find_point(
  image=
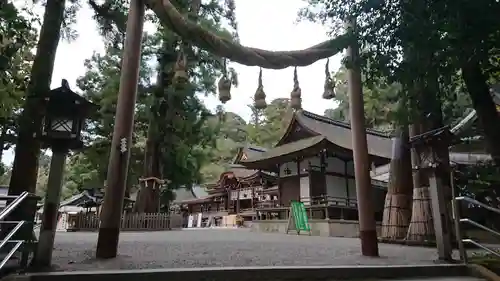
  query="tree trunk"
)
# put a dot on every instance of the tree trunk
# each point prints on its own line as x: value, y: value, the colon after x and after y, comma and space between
x: 421, y: 227
x: 147, y: 197
x: 430, y: 117
x: 478, y: 89
x: 3, y: 134
x: 147, y: 200
x: 25, y: 166
x: 397, y: 209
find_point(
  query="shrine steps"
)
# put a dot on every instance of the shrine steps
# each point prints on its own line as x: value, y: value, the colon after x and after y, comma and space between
x: 437, y: 272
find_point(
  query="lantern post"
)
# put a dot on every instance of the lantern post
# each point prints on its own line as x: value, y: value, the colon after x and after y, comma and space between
x: 63, y: 122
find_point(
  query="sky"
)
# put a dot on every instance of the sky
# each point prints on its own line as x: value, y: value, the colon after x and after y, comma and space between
x: 263, y: 24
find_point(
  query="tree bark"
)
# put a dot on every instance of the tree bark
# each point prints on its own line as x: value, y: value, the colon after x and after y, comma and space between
x: 147, y: 200
x: 421, y: 227
x: 147, y: 197
x: 397, y: 209
x: 476, y: 83
x: 25, y: 166
x: 3, y: 134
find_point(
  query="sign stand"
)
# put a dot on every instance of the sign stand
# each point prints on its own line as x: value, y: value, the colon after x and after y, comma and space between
x: 297, y: 219
x: 291, y: 223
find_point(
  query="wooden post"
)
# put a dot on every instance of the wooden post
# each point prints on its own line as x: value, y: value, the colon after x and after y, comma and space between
x: 439, y: 212
x: 367, y: 226
x: 109, y: 230
x: 279, y: 185
x: 347, y: 195
x: 43, y: 255
x: 456, y: 218
x: 238, y: 199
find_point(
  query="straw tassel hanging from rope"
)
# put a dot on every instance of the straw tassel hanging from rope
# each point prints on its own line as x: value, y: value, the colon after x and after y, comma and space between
x: 180, y: 69
x: 260, y: 95
x: 224, y: 86
x: 295, y: 95
x: 329, y: 88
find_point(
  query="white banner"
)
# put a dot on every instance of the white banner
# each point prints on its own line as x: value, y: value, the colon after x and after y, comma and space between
x: 396, y: 148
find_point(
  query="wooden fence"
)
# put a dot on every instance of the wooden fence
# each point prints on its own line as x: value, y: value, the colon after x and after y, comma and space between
x: 130, y: 222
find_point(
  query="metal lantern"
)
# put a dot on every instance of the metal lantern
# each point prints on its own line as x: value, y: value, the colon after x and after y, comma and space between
x: 224, y: 89
x: 295, y: 95
x: 260, y: 95
x: 329, y: 88
x: 64, y: 119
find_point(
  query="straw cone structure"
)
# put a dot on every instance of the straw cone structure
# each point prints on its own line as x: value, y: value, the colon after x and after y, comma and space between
x: 397, y: 215
x: 397, y: 207
x: 421, y: 226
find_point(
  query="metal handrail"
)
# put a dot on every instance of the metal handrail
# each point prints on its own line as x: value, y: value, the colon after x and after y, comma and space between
x: 476, y: 224
x: 11, y: 253
x: 19, y: 224
x: 12, y: 206
x: 470, y: 241
x: 463, y: 252
x: 480, y: 204
x: 11, y: 233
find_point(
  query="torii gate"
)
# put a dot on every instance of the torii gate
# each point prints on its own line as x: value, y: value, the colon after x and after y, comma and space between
x: 107, y: 244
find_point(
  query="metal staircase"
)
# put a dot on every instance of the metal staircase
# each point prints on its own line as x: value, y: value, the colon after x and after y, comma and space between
x: 459, y: 220
x: 18, y: 240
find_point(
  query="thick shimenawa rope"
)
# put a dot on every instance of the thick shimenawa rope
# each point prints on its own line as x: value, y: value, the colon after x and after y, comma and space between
x: 199, y: 36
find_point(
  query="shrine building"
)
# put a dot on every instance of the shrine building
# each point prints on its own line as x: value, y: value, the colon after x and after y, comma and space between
x: 314, y: 164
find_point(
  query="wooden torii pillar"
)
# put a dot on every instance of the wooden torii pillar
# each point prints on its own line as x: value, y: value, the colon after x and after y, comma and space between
x: 364, y: 191
x: 109, y: 229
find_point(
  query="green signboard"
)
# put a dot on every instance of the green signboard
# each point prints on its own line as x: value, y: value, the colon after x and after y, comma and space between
x: 298, y: 218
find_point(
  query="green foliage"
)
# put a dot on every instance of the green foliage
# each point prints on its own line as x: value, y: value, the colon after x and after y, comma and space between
x: 481, y: 182
x: 381, y: 110
x: 17, y: 39
x: 382, y: 100
x: 277, y: 116
x: 100, y: 84
x: 4, y: 174
x: 418, y: 43
x: 267, y: 126
x: 178, y: 118
x: 184, y: 136
x: 264, y: 129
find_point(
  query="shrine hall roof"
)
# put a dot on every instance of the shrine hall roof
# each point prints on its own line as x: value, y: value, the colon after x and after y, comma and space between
x: 339, y: 133
x: 240, y: 171
x: 248, y: 151
x: 323, y: 130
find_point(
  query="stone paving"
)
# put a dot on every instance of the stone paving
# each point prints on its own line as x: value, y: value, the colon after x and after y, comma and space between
x: 226, y: 247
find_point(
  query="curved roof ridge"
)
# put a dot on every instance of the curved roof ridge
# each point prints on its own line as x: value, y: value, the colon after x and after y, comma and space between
x: 255, y: 147
x: 464, y: 122
x: 340, y: 123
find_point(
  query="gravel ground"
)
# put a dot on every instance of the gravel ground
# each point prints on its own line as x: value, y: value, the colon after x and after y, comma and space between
x: 226, y: 247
